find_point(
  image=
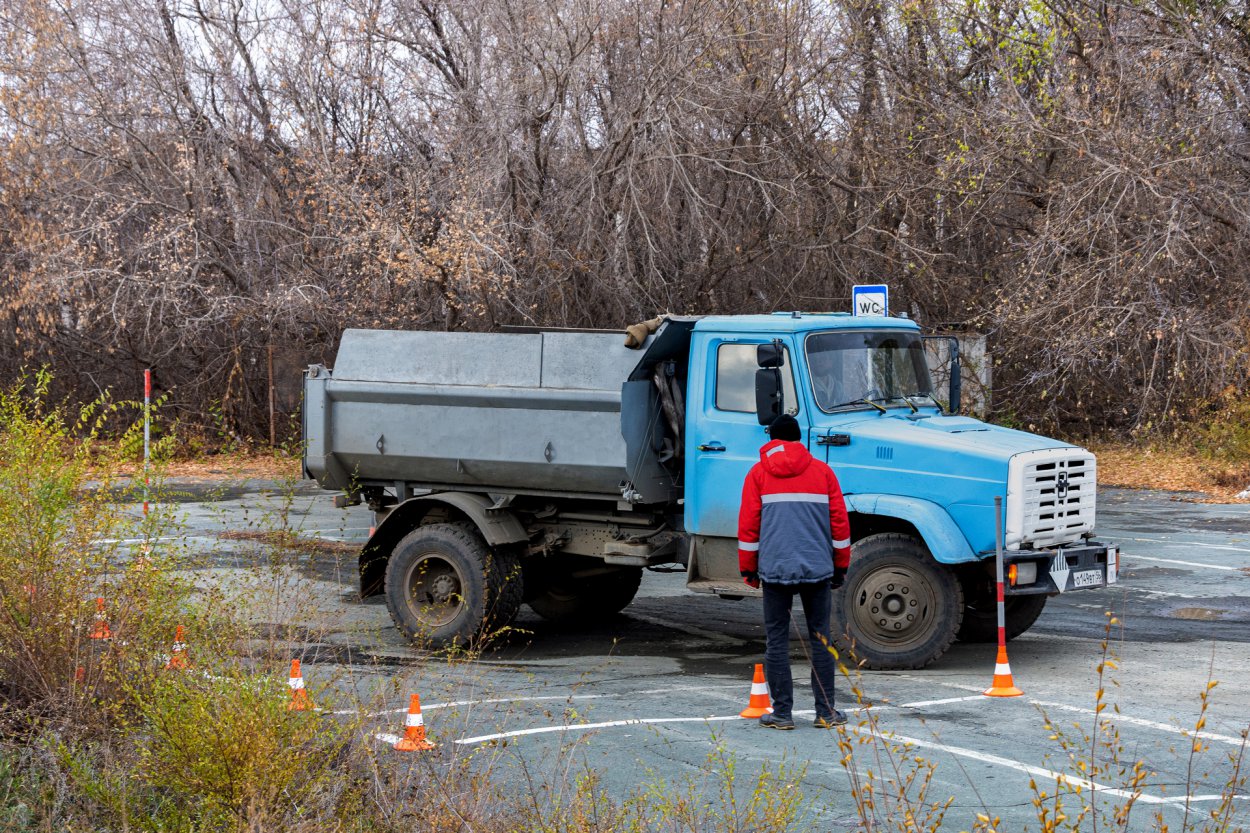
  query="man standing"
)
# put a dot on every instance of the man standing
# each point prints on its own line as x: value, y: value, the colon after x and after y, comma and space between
x: 795, y: 538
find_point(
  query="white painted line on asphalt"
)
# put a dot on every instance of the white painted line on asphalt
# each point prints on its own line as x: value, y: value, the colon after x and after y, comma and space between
x: 528, y: 698
x: 1138, y: 721
x: 575, y: 727
x: 157, y: 540
x: 1192, y: 544
x: 920, y: 704
x: 388, y: 739
x: 973, y: 754
x: 539, y: 730
x: 1107, y: 714
x: 1032, y: 770
x: 1027, y: 769
x: 1135, y: 557
x: 711, y: 636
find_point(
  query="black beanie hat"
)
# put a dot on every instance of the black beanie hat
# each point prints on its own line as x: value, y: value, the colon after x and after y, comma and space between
x: 785, y: 427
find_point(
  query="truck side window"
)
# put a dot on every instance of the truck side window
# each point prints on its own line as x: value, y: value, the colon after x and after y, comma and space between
x: 735, y: 379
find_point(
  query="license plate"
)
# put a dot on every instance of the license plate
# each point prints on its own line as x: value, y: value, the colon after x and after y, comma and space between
x: 1087, y: 578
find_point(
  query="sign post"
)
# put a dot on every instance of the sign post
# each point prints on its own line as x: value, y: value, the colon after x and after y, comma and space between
x: 870, y: 299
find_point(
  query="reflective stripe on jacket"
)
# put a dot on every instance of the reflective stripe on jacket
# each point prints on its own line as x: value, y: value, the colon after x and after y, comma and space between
x: 792, y: 526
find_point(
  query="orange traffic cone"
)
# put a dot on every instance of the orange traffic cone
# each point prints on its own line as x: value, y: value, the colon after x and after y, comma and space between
x: 178, y: 658
x: 414, y: 729
x: 299, y: 697
x: 1003, y: 685
x: 760, y: 704
x: 101, y: 629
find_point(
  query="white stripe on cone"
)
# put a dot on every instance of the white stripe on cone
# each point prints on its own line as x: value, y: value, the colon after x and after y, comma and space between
x: 1001, y: 670
x: 759, y: 688
x: 414, y: 720
x: 297, y: 682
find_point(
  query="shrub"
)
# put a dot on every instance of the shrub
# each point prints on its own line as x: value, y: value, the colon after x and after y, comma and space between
x: 63, y: 534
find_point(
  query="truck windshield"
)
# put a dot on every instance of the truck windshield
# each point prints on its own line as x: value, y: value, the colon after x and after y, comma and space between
x: 861, y: 368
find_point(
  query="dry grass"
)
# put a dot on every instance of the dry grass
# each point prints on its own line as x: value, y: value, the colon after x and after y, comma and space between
x: 1175, y: 469
x: 290, y: 540
x: 236, y: 466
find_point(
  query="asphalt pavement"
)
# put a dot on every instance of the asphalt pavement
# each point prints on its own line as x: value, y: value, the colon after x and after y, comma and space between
x: 652, y: 696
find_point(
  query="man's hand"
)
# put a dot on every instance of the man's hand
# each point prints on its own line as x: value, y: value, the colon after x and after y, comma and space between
x: 751, y: 579
x: 839, y: 577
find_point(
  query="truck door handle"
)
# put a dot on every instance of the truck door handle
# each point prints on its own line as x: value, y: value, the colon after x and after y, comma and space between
x: 712, y: 446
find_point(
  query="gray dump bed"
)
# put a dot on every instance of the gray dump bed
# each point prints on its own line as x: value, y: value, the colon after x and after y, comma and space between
x: 524, y: 413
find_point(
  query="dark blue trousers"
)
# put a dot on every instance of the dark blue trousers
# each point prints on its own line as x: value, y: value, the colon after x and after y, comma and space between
x: 778, y: 600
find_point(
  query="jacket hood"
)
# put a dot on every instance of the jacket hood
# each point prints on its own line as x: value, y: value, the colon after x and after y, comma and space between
x: 785, y: 459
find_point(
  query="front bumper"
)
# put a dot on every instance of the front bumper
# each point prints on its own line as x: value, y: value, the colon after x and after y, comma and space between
x: 1088, y: 566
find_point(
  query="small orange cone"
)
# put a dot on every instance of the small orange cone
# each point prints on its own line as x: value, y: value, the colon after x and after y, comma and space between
x: 760, y: 704
x: 414, y: 729
x: 101, y: 629
x: 1003, y: 685
x: 299, y: 697
x: 178, y: 658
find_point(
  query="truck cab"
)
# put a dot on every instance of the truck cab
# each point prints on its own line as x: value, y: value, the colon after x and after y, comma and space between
x: 919, y: 482
x: 551, y: 467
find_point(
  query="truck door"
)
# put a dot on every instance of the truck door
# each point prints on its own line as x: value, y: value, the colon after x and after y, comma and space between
x: 724, y: 437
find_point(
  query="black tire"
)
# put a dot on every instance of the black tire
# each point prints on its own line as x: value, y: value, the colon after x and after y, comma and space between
x: 980, y: 622
x: 567, y: 599
x: 446, y: 586
x: 898, y: 608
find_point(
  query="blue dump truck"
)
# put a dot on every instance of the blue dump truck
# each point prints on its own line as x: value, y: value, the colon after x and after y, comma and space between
x: 551, y: 467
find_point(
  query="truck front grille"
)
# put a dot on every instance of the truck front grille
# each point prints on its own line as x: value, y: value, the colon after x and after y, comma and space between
x: 1051, y: 497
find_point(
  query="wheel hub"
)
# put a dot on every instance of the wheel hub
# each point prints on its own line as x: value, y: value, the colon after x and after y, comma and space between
x: 442, y: 588
x: 435, y: 590
x: 893, y: 605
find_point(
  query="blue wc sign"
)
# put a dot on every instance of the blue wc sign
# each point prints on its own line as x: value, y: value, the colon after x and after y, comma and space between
x: 870, y: 299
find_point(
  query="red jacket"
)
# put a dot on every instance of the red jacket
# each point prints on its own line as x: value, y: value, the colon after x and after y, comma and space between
x: 793, y: 526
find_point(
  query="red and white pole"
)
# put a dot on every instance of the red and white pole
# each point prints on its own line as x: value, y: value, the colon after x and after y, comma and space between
x: 1003, y: 685
x: 998, y: 572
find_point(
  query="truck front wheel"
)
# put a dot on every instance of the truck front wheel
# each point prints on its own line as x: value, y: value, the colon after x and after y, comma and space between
x: 445, y: 585
x: 898, y: 608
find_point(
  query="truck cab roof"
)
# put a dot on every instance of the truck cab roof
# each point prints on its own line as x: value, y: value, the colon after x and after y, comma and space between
x: 800, y: 322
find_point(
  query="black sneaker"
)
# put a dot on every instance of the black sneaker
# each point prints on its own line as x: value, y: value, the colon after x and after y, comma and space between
x: 772, y: 721
x: 837, y: 719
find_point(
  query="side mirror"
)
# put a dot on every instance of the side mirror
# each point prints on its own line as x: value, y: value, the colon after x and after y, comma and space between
x: 769, y: 355
x: 768, y: 395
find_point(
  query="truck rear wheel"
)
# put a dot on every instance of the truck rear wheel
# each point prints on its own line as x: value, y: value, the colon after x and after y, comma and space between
x: 898, y: 608
x: 445, y: 585
x: 981, y: 615
x: 570, y: 599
